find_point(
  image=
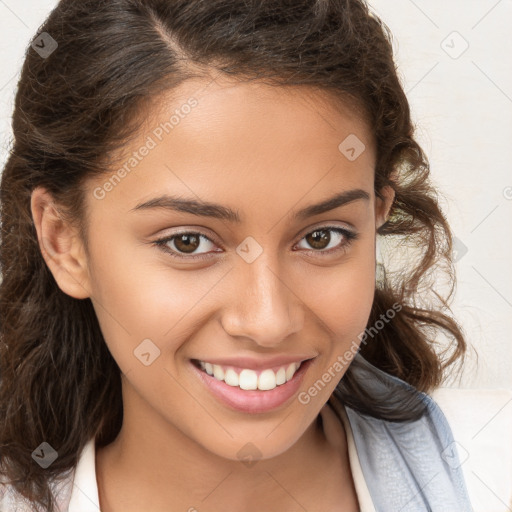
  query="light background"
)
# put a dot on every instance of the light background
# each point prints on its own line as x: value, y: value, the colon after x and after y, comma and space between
x: 461, y: 101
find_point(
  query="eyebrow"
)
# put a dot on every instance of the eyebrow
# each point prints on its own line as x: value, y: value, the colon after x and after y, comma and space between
x: 218, y: 211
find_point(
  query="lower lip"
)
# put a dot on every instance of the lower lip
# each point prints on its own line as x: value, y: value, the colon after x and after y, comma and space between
x: 253, y: 401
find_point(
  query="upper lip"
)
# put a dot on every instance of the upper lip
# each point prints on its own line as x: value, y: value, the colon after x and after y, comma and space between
x: 256, y: 364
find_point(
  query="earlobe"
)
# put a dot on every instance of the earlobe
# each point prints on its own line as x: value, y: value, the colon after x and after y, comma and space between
x: 60, y: 246
x: 383, y: 205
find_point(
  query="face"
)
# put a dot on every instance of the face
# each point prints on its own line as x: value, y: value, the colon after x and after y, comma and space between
x: 243, y: 271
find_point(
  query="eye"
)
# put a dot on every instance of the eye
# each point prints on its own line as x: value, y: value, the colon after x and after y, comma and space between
x: 323, y: 242
x: 185, y: 244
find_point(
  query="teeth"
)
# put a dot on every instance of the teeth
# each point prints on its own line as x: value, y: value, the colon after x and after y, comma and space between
x: 281, y: 376
x: 218, y: 372
x: 267, y: 380
x: 249, y: 379
x: 231, y: 377
x: 290, y: 371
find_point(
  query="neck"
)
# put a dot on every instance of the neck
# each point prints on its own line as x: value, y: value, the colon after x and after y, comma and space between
x: 153, y: 465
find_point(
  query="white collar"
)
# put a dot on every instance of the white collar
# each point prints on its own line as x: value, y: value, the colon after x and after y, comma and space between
x: 363, y: 494
x: 84, y: 494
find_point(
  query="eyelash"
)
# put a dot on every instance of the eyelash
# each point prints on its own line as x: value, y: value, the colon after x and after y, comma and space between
x: 349, y: 238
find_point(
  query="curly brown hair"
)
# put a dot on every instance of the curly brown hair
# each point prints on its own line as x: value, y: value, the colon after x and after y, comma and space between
x: 77, y: 106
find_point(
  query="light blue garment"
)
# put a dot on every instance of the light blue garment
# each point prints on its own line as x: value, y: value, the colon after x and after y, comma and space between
x: 408, y: 466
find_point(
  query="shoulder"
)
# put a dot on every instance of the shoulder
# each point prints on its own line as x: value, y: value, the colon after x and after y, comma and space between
x: 9, y: 499
x: 481, y: 422
x: 12, y: 501
x: 408, y: 464
x: 409, y: 460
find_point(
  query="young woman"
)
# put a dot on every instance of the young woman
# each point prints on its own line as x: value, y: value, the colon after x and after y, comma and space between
x: 191, y: 317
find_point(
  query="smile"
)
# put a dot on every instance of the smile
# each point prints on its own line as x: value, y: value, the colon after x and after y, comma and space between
x: 248, y: 379
x: 240, y: 388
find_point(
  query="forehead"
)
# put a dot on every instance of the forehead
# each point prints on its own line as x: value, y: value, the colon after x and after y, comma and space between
x: 228, y: 138
x: 290, y: 111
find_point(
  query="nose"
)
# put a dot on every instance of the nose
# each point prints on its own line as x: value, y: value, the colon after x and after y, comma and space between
x: 263, y: 306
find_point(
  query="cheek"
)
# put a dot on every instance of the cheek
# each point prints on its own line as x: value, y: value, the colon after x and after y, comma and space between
x: 341, y: 300
x: 342, y: 296
x: 138, y: 297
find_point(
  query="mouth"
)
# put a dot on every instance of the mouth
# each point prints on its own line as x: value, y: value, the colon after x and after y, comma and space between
x: 252, y: 391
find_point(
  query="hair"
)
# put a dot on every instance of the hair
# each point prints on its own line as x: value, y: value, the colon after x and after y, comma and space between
x: 76, y: 107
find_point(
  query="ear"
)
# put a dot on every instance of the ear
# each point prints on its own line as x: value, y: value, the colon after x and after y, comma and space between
x: 383, y: 205
x: 60, y: 245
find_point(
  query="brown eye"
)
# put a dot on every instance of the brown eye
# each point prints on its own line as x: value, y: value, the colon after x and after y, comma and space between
x: 187, y: 242
x: 186, y: 245
x: 318, y: 239
x: 329, y: 239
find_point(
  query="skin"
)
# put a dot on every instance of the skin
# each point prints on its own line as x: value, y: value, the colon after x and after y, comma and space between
x: 265, y: 152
